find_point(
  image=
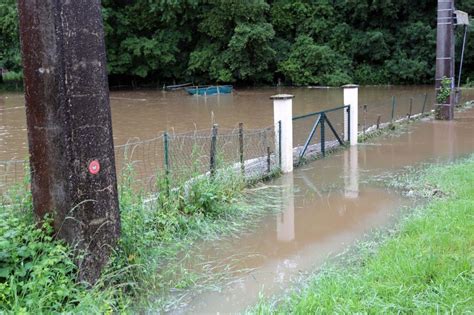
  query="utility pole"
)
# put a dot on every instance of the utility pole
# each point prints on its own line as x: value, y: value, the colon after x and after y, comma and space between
x: 445, y: 56
x: 73, y: 177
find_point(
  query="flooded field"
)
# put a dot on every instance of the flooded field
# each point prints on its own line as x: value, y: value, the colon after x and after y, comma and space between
x: 146, y: 114
x: 326, y: 206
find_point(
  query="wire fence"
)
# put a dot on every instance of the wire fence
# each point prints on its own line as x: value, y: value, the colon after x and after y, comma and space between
x: 177, y: 157
x: 180, y: 156
x: 394, y: 108
x: 12, y: 173
x: 315, y: 133
x: 251, y: 151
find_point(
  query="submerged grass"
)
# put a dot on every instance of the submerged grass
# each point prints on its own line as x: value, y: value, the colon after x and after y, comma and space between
x: 425, y: 266
x: 157, y: 238
x: 152, y: 265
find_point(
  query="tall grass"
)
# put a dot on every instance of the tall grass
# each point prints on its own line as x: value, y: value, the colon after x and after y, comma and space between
x: 37, y: 272
x: 426, y: 267
x: 152, y: 260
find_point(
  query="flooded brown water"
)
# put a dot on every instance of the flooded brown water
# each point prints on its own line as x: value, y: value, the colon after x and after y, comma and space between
x: 145, y: 114
x: 326, y: 206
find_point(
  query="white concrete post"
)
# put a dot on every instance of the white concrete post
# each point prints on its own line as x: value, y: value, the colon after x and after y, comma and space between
x: 283, y: 111
x: 351, y: 97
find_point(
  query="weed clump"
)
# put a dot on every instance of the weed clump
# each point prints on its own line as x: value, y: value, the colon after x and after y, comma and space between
x: 37, y: 271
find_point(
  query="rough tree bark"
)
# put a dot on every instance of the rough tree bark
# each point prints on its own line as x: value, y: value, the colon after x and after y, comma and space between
x: 69, y: 123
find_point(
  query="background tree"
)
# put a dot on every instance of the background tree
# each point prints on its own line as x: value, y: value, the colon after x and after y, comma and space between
x: 324, y: 42
x: 10, y: 57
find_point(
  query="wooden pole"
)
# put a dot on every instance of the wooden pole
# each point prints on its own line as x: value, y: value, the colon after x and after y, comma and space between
x: 73, y: 177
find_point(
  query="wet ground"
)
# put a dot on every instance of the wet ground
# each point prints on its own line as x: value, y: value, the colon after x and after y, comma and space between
x: 326, y: 206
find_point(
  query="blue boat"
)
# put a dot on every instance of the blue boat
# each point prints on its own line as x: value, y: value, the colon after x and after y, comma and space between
x: 210, y: 90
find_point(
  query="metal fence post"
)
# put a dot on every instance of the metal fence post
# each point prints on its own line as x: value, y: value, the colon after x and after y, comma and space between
x: 411, y: 108
x: 424, y: 104
x: 167, y: 161
x: 393, y: 107
x: 241, y: 147
x: 213, y: 150
x: 279, y: 144
x: 323, y: 135
x: 268, y: 160
x: 348, y: 124
x: 365, y: 118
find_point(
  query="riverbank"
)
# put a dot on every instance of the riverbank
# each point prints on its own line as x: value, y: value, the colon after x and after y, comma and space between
x: 424, y: 265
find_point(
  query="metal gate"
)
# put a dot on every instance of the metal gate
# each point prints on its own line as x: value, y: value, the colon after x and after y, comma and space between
x: 322, y: 119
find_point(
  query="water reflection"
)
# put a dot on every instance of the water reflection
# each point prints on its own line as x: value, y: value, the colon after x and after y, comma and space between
x: 330, y: 206
x: 444, y: 139
x: 286, y: 219
x: 351, y: 172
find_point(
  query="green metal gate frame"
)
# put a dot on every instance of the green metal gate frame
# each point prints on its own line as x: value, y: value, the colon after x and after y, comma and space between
x: 320, y: 121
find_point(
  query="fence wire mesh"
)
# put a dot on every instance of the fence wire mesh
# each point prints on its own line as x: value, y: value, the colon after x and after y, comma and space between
x: 181, y: 156
x: 12, y: 173
x: 394, y: 108
x: 140, y: 161
x: 189, y: 154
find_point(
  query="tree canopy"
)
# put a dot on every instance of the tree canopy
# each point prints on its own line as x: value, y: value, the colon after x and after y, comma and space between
x: 299, y: 42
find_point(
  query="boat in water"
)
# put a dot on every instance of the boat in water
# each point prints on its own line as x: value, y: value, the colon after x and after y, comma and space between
x: 176, y: 87
x: 210, y: 90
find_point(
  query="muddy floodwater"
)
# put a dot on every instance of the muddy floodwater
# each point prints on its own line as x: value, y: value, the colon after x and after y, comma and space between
x: 326, y: 205
x: 146, y: 114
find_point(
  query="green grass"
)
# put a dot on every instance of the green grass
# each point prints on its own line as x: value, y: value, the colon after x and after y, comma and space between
x: 425, y: 267
x: 153, y: 262
x: 156, y: 241
x: 37, y: 272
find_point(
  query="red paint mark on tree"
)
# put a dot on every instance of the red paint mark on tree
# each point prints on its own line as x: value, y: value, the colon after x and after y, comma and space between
x: 94, y: 167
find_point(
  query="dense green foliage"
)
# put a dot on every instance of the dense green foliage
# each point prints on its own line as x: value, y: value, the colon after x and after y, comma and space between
x: 263, y: 41
x: 37, y: 271
x: 425, y: 267
x: 10, y: 57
